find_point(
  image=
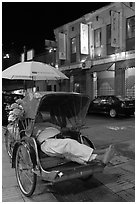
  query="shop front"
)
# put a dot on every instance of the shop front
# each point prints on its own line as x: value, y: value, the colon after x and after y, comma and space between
x: 125, y: 77
x: 114, y: 78
x: 77, y: 80
x: 103, y: 79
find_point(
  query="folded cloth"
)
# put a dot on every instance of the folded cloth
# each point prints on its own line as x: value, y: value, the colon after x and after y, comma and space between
x: 14, y: 105
x: 20, y: 101
x: 17, y: 111
x: 11, y: 117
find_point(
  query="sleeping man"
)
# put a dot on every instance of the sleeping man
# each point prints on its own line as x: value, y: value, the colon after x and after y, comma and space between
x: 71, y: 149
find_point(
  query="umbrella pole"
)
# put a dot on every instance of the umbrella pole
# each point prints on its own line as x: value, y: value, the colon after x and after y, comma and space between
x: 34, y: 86
x: 25, y: 85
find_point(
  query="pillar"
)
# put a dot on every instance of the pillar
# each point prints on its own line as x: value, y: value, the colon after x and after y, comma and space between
x: 119, y: 81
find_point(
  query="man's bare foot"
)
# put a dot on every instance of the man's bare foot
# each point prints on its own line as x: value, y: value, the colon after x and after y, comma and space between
x: 109, y: 154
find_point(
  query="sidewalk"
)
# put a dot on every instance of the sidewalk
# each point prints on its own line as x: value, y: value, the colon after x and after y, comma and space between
x: 119, y: 177
x: 10, y: 189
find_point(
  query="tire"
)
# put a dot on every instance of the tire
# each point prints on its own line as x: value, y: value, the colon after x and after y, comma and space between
x: 23, y: 167
x: 112, y: 113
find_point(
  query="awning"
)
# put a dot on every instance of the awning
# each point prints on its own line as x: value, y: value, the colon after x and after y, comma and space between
x: 125, y: 64
x: 10, y: 85
x: 102, y: 67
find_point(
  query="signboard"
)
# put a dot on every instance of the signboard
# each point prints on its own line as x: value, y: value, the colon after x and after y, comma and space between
x: 84, y: 39
x: 30, y: 54
x: 22, y: 57
x: 115, y: 29
x: 98, y: 37
x: 87, y: 64
x: 62, y: 46
x: 50, y: 43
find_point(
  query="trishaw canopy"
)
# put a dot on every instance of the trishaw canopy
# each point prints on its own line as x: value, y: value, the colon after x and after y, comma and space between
x: 62, y: 104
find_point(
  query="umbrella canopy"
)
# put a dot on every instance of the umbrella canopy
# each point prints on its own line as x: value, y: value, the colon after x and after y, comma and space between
x: 32, y: 70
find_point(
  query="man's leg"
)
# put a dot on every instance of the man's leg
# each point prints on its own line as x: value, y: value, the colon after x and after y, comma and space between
x: 69, y: 148
x: 109, y: 154
x: 100, y: 151
x: 104, y: 155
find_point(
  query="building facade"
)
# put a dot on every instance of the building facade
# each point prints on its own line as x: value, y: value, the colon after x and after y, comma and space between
x: 97, y: 51
x: 48, y: 57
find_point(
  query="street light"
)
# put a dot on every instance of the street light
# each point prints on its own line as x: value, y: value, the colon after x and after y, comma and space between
x: 6, y: 56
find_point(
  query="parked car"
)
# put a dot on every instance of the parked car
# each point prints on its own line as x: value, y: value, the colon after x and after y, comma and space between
x: 112, y: 105
x: 7, y: 99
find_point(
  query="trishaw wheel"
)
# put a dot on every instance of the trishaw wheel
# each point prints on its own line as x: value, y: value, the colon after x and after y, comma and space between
x: 25, y: 177
x: 9, y: 143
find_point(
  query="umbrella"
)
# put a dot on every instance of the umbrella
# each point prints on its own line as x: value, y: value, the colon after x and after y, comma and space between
x: 33, y: 70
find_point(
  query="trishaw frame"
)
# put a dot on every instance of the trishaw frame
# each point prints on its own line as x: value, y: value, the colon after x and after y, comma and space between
x: 52, y: 174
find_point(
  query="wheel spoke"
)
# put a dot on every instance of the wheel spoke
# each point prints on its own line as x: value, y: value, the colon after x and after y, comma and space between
x: 25, y: 177
x: 26, y: 171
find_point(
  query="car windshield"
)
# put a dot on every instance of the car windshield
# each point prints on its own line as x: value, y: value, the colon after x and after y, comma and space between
x: 123, y: 98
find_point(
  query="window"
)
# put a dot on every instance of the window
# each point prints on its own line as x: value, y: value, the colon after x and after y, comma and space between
x: 130, y: 33
x: 49, y: 88
x: 131, y: 27
x: 73, y: 45
x: 73, y: 49
x: 55, y: 88
x: 62, y: 62
x: 72, y: 28
x: 97, y: 43
x: 97, y: 34
x: 110, y: 50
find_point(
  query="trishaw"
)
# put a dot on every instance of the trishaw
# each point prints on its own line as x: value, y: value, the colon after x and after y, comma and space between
x: 40, y: 109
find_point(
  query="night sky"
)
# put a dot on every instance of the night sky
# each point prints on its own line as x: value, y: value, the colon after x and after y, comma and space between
x: 30, y: 23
